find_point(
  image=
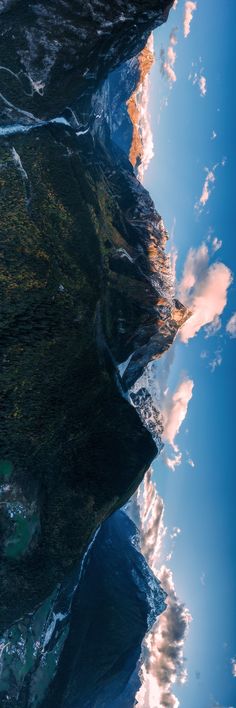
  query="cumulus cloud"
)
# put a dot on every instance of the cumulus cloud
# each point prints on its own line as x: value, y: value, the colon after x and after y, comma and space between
x: 189, y: 9
x: 168, y: 58
x: 174, y: 411
x: 163, y: 658
x: 152, y: 526
x: 165, y: 661
x: 231, y: 326
x: 203, y: 288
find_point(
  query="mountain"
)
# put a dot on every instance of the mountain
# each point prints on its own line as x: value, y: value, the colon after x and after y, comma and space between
x: 87, y: 300
x: 102, y: 631
x: 100, y: 661
x: 81, y: 42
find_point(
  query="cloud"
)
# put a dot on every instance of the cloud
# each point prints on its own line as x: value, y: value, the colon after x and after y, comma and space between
x: 203, y: 288
x: 216, y: 244
x: 197, y: 76
x: 213, y: 135
x: 174, y: 411
x: 173, y: 462
x: 206, y: 190
x: 189, y: 9
x: 176, y: 531
x: 190, y: 462
x: 210, y: 178
x: 152, y: 513
x: 164, y: 664
x: 168, y: 58
x: 163, y: 657
x: 207, y: 185
x: 231, y: 326
x: 213, y: 327
x: 233, y: 665
x: 175, y: 4
x: 202, y: 85
x: 217, y: 361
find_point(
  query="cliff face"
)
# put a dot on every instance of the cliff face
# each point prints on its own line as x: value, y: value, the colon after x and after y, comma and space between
x: 85, y: 286
x: 83, y: 42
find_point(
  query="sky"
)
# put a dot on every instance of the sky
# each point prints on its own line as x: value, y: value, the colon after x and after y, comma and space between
x: 192, y: 179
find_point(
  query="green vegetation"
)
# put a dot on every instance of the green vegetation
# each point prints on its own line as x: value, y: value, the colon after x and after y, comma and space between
x: 76, y: 447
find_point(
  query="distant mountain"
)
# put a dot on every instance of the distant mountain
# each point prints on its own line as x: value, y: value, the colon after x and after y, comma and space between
x: 91, y: 648
x: 122, y: 102
x: 100, y: 661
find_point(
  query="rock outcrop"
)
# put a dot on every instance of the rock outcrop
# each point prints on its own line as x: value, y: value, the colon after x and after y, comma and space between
x: 54, y: 53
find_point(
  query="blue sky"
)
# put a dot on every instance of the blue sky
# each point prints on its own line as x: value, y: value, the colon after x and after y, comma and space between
x: 201, y: 499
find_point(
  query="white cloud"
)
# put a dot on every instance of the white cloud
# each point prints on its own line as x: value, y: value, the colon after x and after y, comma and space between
x: 216, y: 244
x: 206, y: 189
x: 202, y: 85
x: 190, y: 462
x: 208, y: 185
x: 168, y: 59
x: 173, y: 462
x: 153, y: 530
x: 213, y: 135
x: 203, y: 288
x: 233, y: 665
x: 176, y: 531
x: 163, y: 657
x: 189, y: 9
x: 213, y: 327
x: 217, y: 361
x: 174, y: 411
x: 231, y: 326
x: 164, y: 664
x: 197, y: 77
